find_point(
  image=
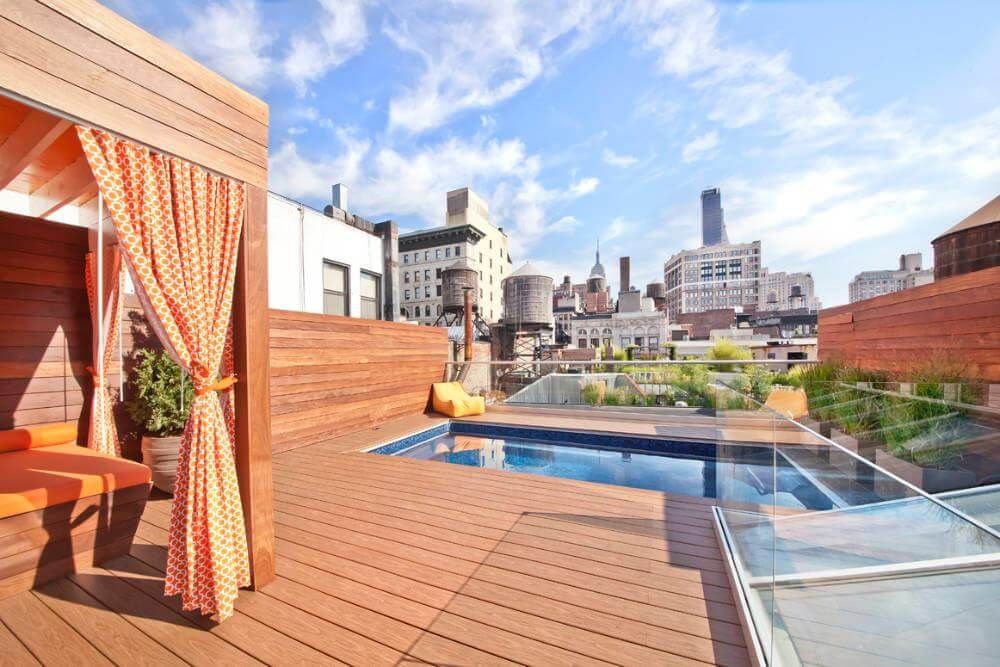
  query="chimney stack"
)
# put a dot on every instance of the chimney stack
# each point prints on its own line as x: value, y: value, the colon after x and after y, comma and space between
x: 624, y: 274
x: 340, y: 196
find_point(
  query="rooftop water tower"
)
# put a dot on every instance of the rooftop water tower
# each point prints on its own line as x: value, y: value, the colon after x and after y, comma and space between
x: 527, y: 298
x: 456, y: 280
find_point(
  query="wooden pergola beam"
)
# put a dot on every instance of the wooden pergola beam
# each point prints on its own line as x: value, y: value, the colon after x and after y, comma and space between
x: 36, y: 132
x: 62, y: 189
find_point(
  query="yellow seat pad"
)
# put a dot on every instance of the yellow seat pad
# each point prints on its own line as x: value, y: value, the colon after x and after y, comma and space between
x: 451, y: 399
x: 790, y: 402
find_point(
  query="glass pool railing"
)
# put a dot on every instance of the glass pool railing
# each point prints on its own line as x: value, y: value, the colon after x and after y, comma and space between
x: 866, y: 530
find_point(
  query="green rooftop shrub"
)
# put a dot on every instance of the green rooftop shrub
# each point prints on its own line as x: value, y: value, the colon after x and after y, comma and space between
x: 161, y: 396
x: 726, y: 349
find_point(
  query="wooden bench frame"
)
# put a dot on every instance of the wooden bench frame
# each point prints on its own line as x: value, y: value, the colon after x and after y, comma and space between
x: 42, y: 545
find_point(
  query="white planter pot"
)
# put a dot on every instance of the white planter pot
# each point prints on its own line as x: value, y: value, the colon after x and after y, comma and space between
x: 160, y: 456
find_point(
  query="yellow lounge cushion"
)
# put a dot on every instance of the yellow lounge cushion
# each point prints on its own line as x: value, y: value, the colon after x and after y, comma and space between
x: 451, y: 399
x: 40, y: 435
x: 33, y: 479
x: 790, y: 402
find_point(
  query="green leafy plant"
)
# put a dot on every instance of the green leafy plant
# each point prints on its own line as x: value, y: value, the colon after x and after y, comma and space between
x: 726, y: 349
x: 161, y: 394
x: 615, y: 397
x: 593, y: 393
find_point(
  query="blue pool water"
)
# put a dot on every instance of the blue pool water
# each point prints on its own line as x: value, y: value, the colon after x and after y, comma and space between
x: 735, y: 473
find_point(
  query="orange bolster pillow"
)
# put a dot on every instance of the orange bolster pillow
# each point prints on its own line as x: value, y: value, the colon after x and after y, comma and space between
x: 42, y: 435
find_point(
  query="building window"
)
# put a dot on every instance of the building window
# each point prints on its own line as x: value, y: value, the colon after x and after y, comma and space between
x: 406, y: 258
x: 335, y: 284
x: 406, y: 295
x: 439, y: 292
x: 626, y: 341
x: 437, y: 253
x: 438, y: 273
x: 458, y: 251
x: 427, y: 274
x: 427, y: 255
x: 447, y: 252
x: 582, y: 343
x: 371, y: 296
x: 427, y: 311
x: 427, y: 294
x: 406, y: 276
x: 439, y: 309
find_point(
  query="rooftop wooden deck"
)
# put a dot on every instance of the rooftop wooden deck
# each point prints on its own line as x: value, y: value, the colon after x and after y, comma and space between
x: 396, y: 561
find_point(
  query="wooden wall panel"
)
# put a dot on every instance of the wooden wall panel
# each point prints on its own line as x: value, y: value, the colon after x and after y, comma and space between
x: 953, y: 322
x: 44, y: 322
x: 83, y: 60
x: 334, y: 375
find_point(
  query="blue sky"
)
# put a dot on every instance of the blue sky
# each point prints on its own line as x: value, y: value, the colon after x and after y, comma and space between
x: 842, y: 133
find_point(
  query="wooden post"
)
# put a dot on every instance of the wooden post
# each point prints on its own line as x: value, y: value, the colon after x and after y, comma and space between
x: 251, y: 338
x: 468, y: 323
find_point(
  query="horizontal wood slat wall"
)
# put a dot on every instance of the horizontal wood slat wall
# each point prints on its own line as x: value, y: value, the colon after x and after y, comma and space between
x: 953, y: 322
x: 44, y: 322
x: 80, y: 56
x: 334, y: 375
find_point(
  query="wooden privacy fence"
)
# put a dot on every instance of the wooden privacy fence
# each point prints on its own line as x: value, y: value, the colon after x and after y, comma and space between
x: 333, y: 375
x: 954, y: 322
x: 44, y: 322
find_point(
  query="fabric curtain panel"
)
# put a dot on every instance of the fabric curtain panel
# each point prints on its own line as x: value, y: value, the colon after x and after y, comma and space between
x: 102, y: 435
x: 179, y: 229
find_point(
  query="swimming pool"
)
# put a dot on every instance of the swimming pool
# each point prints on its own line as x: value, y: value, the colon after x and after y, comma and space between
x: 729, y: 472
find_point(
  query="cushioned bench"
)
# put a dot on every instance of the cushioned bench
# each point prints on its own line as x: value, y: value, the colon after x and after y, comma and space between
x: 62, y: 506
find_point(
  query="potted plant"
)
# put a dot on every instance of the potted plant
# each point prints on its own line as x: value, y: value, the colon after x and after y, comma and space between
x: 159, y: 405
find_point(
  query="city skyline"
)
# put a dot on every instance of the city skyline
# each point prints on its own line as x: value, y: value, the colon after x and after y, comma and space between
x: 835, y: 148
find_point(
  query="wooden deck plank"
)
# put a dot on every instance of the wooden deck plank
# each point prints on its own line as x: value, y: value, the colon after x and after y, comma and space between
x: 50, y: 639
x: 12, y: 651
x: 111, y: 634
x: 384, y: 560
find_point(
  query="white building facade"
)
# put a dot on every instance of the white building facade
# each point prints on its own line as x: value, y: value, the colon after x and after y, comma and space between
x: 786, y: 291
x: 726, y: 275
x: 869, y: 284
x: 337, y: 264
x: 644, y: 327
x: 468, y: 233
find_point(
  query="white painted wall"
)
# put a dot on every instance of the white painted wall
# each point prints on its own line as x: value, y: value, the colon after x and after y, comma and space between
x: 297, y: 247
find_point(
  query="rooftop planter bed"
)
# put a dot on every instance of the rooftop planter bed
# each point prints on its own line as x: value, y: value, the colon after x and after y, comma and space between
x: 916, y: 431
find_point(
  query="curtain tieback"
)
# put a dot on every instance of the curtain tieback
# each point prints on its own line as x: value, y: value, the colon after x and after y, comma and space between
x: 218, y: 385
x: 94, y: 376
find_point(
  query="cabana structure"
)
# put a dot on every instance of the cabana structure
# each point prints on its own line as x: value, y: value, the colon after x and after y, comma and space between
x: 118, y: 153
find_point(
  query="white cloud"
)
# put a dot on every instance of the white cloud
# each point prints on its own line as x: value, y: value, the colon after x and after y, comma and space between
x: 392, y: 181
x: 296, y: 130
x: 617, y: 227
x: 230, y: 38
x: 616, y: 160
x: 741, y: 86
x: 339, y: 33
x: 564, y: 224
x: 475, y: 55
x: 584, y: 186
x: 701, y: 147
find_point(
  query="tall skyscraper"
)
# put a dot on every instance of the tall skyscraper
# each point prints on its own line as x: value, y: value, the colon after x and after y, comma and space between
x: 713, y: 225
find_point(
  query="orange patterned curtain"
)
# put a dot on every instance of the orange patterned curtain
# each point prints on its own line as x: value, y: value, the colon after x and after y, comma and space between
x: 179, y: 228
x: 103, y: 435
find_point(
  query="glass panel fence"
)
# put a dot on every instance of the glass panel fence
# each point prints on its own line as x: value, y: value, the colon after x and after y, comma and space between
x: 857, y: 517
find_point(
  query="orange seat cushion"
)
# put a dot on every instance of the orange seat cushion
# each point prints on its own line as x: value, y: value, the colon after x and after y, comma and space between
x: 451, y: 399
x: 33, y: 479
x: 41, y: 435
